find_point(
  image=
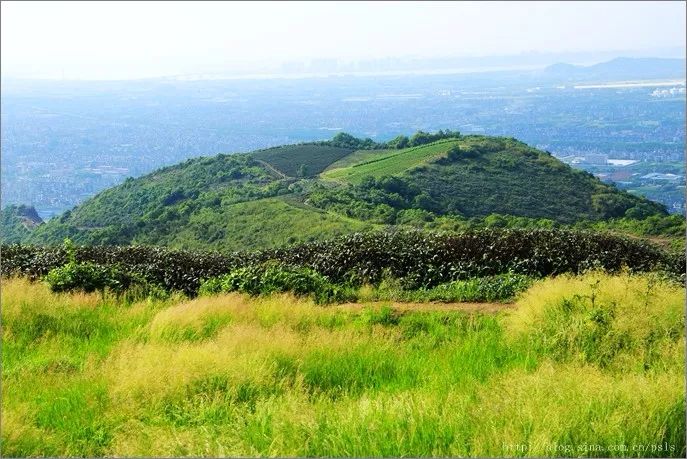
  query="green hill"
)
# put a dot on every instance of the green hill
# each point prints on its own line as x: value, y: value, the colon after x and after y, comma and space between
x: 311, y: 191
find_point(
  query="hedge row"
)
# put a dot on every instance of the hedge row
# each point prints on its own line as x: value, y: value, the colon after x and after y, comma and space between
x: 419, y: 258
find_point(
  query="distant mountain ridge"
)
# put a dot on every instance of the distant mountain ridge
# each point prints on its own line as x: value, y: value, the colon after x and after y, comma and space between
x: 621, y: 68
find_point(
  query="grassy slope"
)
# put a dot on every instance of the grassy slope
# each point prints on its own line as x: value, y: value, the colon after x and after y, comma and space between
x: 289, y: 158
x: 229, y: 376
x: 263, y: 223
x: 389, y: 162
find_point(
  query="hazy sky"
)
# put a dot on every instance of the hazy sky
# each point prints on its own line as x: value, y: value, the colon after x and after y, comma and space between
x: 142, y: 39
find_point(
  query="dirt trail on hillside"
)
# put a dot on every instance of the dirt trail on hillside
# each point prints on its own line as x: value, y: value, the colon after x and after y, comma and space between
x: 272, y: 169
x: 432, y: 306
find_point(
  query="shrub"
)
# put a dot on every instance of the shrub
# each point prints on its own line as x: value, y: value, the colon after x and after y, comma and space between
x: 491, y: 288
x: 88, y: 277
x: 270, y: 278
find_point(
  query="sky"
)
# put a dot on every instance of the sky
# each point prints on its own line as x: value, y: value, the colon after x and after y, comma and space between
x: 126, y: 40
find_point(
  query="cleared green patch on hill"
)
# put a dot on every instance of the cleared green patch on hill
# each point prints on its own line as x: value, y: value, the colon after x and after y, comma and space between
x: 359, y: 156
x: 389, y: 162
x: 264, y: 223
x: 306, y: 160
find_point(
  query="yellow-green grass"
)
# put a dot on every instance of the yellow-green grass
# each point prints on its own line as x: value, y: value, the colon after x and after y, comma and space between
x: 386, y: 162
x: 279, y: 376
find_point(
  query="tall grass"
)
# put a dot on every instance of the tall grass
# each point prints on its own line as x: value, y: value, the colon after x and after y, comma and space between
x: 582, y: 366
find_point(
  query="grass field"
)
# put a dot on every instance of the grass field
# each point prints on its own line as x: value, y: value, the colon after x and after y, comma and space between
x: 578, y: 366
x: 377, y: 163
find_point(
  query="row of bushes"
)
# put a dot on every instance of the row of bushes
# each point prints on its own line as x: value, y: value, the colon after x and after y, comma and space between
x: 271, y: 277
x: 268, y: 278
x: 425, y: 259
x: 419, y: 259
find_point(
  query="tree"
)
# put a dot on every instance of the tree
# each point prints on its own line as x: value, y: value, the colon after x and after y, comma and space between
x: 399, y: 142
x: 454, y: 153
x: 302, y: 170
x: 420, y: 138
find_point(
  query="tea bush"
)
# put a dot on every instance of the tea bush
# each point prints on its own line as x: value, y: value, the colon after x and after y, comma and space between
x: 88, y: 277
x: 421, y: 259
x: 270, y: 278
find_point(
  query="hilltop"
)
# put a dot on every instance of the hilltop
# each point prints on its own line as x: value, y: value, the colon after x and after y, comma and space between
x: 318, y: 190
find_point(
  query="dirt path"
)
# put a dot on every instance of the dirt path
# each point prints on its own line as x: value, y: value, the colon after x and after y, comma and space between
x: 269, y: 167
x: 432, y: 306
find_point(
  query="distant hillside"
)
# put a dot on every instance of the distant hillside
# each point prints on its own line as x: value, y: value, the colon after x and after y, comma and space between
x: 18, y: 222
x: 313, y: 191
x: 475, y: 176
x: 622, y: 68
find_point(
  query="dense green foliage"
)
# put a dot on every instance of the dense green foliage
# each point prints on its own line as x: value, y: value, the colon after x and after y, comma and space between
x: 344, y: 140
x: 89, y: 277
x: 476, y: 177
x: 271, y: 277
x: 418, y: 259
x: 268, y: 278
x: 162, y: 203
x: 445, y: 182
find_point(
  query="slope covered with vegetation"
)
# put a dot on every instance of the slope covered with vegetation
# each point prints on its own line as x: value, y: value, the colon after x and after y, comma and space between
x: 17, y: 222
x: 257, y: 224
x: 310, y: 191
x: 305, y: 160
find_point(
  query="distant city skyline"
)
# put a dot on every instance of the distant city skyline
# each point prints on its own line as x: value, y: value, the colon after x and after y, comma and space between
x: 129, y: 40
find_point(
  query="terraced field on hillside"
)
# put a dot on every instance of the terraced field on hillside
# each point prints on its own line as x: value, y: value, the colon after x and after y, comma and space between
x: 305, y: 160
x: 377, y: 163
